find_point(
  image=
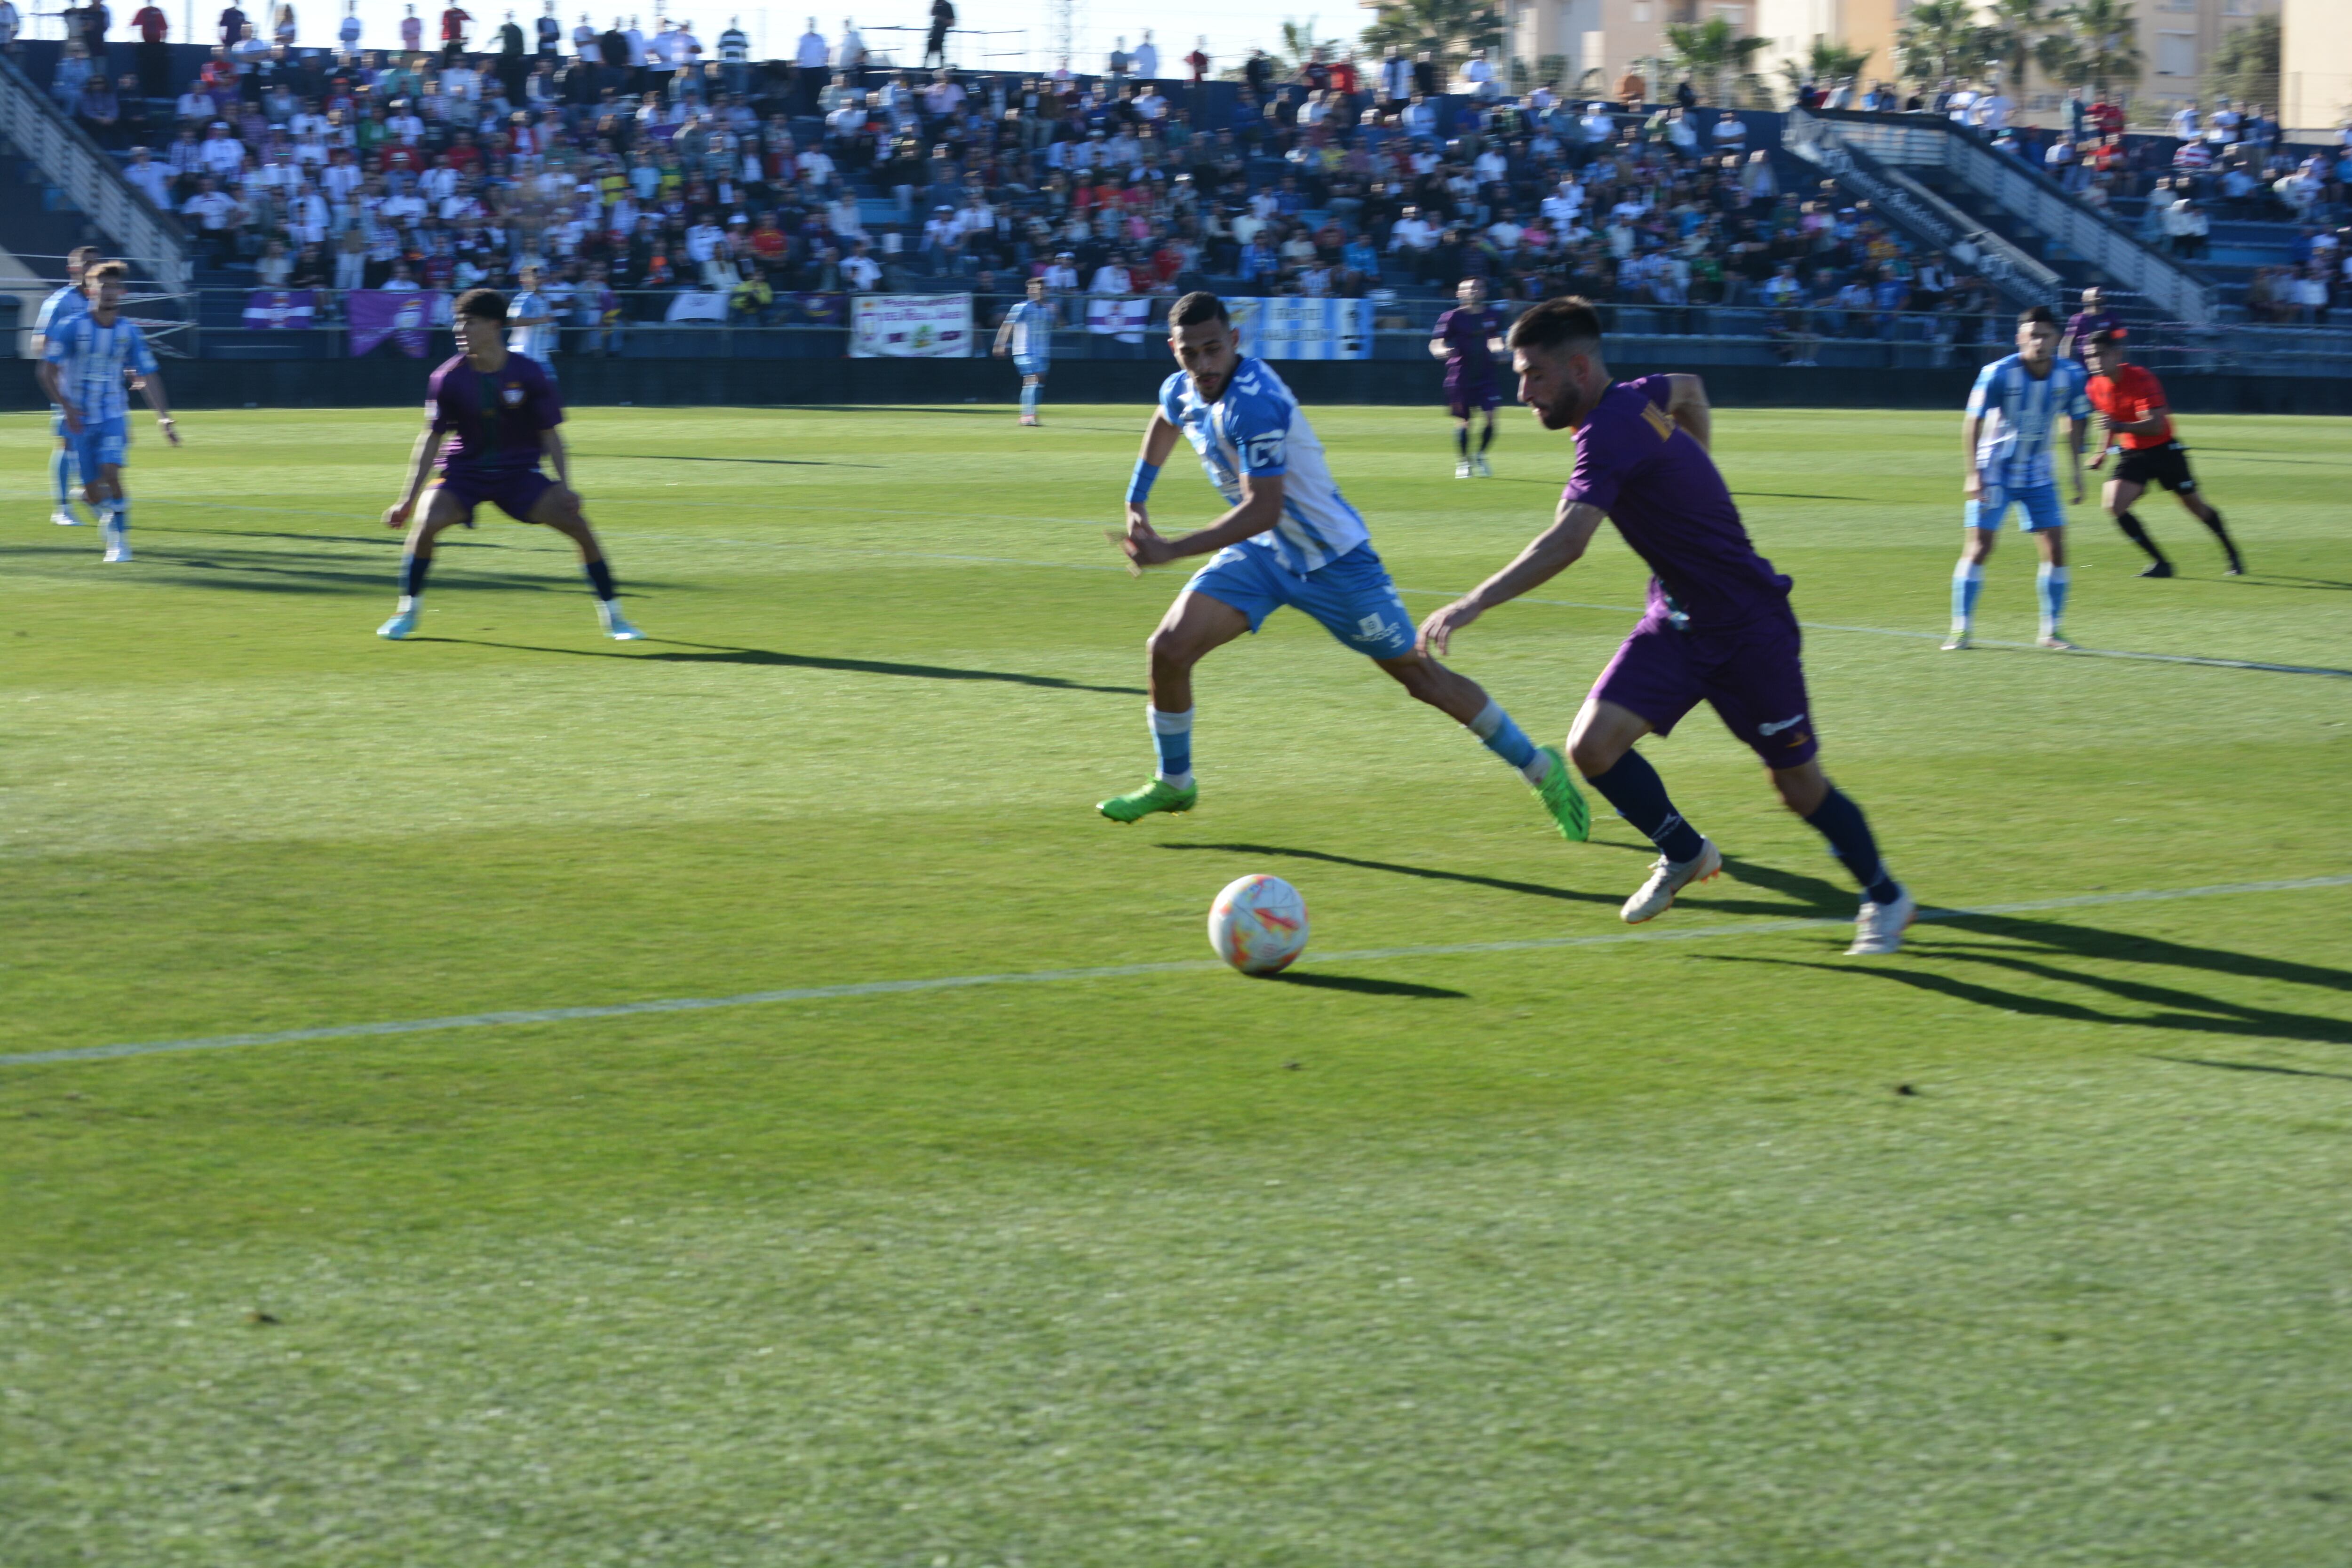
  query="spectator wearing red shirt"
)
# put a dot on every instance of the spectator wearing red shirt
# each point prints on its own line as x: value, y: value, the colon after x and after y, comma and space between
x: 452, y: 33
x: 154, y: 60
x: 2108, y: 118
x: 2139, y: 423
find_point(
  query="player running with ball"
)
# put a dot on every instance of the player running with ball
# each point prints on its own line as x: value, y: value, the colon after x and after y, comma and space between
x: 503, y: 411
x: 1719, y: 628
x: 1289, y: 537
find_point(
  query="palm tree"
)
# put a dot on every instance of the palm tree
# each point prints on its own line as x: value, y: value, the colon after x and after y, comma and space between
x: 1824, y: 62
x: 2013, y: 39
x: 2101, y: 43
x: 1299, y: 42
x: 1449, y: 29
x: 1936, y: 40
x: 1712, y: 48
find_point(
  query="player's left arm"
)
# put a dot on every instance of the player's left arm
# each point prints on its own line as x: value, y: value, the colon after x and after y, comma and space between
x: 2078, y: 431
x: 148, y: 377
x: 551, y: 447
x: 1687, y: 405
x: 1548, y: 554
x: 1260, y: 508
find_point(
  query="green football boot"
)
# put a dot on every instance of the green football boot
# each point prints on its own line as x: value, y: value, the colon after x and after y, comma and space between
x: 1563, y: 799
x: 1157, y: 796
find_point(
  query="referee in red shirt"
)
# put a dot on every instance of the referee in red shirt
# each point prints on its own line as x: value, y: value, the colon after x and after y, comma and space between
x: 2131, y: 405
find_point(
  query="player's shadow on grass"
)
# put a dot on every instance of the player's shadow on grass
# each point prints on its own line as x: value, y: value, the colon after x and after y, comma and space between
x: 695, y: 457
x: 1365, y: 985
x: 2249, y: 1067
x: 2035, y: 949
x: 705, y: 653
x: 1821, y: 898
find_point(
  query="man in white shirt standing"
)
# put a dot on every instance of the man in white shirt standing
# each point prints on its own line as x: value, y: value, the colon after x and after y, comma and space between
x: 1992, y: 111
x: 849, y: 58
x: 1147, y: 58
x: 2185, y: 122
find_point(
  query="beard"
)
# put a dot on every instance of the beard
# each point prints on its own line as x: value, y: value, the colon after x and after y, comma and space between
x: 1557, y: 413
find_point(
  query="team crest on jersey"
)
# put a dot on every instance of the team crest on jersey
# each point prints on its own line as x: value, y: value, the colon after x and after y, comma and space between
x: 512, y: 394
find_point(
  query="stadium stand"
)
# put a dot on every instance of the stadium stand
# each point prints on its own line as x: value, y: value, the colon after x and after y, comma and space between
x: 659, y: 202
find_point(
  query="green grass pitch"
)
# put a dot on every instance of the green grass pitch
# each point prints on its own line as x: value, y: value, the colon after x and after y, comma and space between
x: 2027, y: 1249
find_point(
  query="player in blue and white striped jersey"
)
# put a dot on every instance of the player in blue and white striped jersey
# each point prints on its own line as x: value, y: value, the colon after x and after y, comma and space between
x: 1027, y: 334
x: 532, y: 323
x: 2012, y: 419
x: 1289, y: 537
x: 85, y: 365
x: 56, y: 310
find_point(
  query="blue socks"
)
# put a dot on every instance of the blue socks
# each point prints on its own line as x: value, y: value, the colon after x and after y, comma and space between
x: 1968, y: 581
x: 1029, y: 400
x: 2050, y: 588
x: 1503, y: 737
x: 1635, y: 788
x: 1840, y: 821
x: 1171, y: 738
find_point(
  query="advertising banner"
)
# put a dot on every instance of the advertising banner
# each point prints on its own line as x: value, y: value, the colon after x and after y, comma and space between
x: 274, y: 308
x: 910, y: 326
x: 401, y: 315
x: 1122, y: 319
x: 1301, y: 328
x: 697, y: 305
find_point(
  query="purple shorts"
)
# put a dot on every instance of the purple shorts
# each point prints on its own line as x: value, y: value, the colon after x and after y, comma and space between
x: 1754, y: 678
x: 514, y: 494
x: 1462, y: 397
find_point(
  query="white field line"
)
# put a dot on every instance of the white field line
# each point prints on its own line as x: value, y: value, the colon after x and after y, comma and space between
x: 2207, y: 661
x: 1109, y: 971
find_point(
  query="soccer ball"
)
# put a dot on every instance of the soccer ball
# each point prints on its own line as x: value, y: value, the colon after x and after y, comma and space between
x: 1258, y: 924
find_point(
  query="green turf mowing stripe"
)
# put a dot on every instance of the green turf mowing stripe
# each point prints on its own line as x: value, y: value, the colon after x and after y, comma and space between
x: 1109, y: 971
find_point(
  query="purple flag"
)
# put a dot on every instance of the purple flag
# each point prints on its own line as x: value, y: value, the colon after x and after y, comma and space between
x: 376, y: 314
x: 276, y: 307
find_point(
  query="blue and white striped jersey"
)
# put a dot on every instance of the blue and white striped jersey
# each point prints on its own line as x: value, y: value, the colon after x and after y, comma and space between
x: 2021, y: 413
x: 1033, y: 330
x: 531, y: 342
x: 62, y: 306
x: 91, y: 361
x: 1258, y: 428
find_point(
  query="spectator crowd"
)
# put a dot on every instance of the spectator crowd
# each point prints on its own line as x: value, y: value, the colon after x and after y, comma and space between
x: 625, y: 168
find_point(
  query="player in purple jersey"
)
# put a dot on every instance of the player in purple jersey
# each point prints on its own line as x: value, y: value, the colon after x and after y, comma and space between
x: 1468, y: 338
x: 501, y: 409
x: 1719, y: 628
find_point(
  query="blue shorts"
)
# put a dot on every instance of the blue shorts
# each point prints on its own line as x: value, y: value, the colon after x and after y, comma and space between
x: 99, y: 444
x: 2038, y: 509
x: 1032, y: 364
x: 1352, y: 597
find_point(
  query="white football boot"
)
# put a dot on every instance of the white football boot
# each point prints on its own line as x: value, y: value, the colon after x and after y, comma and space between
x: 1668, y: 877
x: 1878, y: 928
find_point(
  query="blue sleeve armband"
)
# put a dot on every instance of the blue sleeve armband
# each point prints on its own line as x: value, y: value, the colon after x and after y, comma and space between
x: 1139, y: 484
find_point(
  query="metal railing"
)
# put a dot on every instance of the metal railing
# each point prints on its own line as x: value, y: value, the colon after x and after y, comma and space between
x: 2021, y: 278
x: 2027, y: 195
x: 90, y: 179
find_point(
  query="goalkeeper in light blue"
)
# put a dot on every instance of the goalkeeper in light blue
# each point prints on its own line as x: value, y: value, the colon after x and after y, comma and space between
x: 2013, y: 413
x: 1289, y: 537
x: 88, y: 364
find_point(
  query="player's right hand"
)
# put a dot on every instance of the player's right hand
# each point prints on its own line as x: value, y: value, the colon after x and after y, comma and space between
x: 73, y: 417
x: 2096, y: 464
x: 396, y: 515
x: 1438, y: 630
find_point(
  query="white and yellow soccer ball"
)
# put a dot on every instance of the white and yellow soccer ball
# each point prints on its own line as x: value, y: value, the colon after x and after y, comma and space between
x: 1258, y: 924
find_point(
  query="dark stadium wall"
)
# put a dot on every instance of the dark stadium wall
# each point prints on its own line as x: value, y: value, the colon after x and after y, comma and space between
x: 381, y: 382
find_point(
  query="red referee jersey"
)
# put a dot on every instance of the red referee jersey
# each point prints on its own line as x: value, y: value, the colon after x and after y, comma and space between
x: 2128, y: 396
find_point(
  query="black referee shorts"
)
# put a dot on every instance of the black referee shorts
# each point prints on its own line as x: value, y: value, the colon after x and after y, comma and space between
x: 2166, y: 464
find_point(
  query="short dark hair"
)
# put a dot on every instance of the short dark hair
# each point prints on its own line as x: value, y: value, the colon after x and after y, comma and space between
x: 2037, y: 316
x: 1196, y: 308
x: 488, y: 303
x: 1568, y: 320
x: 82, y: 258
x: 107, y: 272
x: 2106, y: 338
